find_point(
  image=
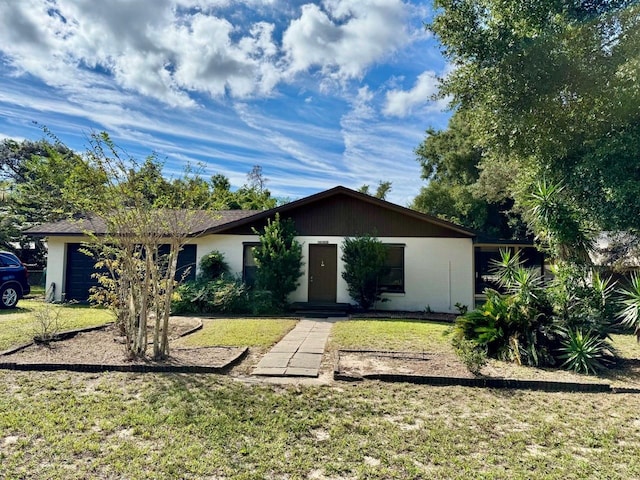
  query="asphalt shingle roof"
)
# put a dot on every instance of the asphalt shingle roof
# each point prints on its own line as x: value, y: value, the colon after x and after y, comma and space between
x: 201, y: 220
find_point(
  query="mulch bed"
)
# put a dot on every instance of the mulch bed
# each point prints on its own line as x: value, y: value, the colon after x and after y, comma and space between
x: 102, y: 349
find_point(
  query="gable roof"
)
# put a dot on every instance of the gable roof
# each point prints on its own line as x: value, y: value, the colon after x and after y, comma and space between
x: 322, y: 213
x: 355, y: 206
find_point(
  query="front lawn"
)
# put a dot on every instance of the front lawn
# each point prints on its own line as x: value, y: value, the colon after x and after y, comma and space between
x: 114, y: 425
x: 239, y: 332
x: 391, y: 334
x: 18, y: 325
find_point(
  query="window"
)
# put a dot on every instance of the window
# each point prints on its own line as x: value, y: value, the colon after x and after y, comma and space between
x: 485, y: 256
x: 249, y: 267
x: 393, y: 281
x: 9, y: 260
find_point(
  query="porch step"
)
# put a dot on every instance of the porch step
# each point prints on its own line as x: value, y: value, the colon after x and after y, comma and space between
x: 320, y: 309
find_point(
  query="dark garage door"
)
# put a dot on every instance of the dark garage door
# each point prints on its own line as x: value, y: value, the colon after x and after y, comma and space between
x: 80, y: 267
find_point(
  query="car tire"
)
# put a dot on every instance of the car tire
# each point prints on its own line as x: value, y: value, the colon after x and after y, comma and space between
x: 9, y: 296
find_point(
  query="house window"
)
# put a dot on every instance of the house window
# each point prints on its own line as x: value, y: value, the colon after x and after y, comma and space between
x: 393, y: 281
x: 249, y: 267
x: 486, y: 256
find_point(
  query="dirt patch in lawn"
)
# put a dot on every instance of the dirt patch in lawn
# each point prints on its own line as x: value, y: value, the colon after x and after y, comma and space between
x: 105, y: 347
x: 370, y: 363
x: 401, y: 363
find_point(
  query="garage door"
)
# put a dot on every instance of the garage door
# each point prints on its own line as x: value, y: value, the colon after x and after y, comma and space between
x: 80, y: 268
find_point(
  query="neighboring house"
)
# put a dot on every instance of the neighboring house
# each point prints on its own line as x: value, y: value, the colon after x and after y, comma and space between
x: 431, y: 261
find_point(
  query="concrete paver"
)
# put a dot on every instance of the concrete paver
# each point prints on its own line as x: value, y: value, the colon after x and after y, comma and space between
x: 299, y: 353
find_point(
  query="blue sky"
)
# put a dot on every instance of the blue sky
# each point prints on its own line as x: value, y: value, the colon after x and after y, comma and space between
x: 334, y: 92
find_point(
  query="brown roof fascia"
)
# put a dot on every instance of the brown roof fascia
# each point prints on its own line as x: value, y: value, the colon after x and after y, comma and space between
x: 346, y: 191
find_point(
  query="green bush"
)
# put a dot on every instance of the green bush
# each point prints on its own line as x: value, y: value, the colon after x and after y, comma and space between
x: 279, y: 260
x: 260, y: 302
x: 213, y: 266
x: 473, y: 356
x: 566, y: 323
x: 629, y: 303
x: 585, y: 352
x: 217, y: 296
x: 364, y: 260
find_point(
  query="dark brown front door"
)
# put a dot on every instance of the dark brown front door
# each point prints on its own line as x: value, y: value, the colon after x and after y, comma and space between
x: 323, y: 271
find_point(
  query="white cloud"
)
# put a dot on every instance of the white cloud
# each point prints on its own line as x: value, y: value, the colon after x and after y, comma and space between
x: 178, y: 48
x: 345, y: 37
x: 400, y: 103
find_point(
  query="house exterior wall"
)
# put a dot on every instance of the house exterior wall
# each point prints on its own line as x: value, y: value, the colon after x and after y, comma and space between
x: 438, y: 271
x: 230, y: 245
x: 56, y: 263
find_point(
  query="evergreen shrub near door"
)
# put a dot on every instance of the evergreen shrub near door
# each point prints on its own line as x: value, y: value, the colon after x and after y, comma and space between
x: 279, y: 260
x: 364, y: 258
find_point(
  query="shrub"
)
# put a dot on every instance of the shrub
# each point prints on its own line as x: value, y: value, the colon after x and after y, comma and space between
x: 473, y: 356
x: 629, y: 302
x: 222, y: 295
x: 279, y: 260
x: 213, y: 266
x: 566, y: 323
x: 364, y: 260
x: 585, y: 352
x: 260, y: 302
x: 47, y: 323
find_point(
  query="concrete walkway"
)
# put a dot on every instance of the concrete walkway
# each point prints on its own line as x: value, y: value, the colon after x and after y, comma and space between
x: 299, y: 353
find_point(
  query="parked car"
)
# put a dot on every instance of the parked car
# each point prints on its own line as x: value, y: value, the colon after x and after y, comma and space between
x: 14, y: 280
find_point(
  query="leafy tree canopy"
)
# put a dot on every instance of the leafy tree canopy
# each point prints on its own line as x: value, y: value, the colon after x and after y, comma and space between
x: 450, y: 161
x: 381, y: 190
x: 549, y: 90
x: 46, y: 181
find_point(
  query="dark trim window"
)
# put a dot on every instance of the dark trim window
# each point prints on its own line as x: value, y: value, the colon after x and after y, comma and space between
x: 393, y: 281
x: 485, y: 256
x: 249, y: 267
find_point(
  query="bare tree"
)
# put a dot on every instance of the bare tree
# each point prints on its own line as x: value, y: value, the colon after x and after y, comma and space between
x: 137, y: 247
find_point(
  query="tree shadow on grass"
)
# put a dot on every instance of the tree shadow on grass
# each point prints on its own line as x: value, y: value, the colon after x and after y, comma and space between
x: 15, y: 311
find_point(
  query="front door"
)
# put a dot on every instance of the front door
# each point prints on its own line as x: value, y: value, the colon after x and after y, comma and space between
x: 323, y: 272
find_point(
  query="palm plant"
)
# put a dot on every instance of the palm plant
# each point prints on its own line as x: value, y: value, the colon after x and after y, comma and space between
x: 629, y: 315
x: 557, y: 223
x: 585, y: 351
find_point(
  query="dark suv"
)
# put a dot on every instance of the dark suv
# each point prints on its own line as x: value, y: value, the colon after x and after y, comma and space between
x: 14, y: 282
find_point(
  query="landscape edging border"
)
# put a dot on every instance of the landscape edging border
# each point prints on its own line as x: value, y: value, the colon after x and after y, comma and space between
x: 478, y: 382
x: 64, y: 334
x: 132, y: 368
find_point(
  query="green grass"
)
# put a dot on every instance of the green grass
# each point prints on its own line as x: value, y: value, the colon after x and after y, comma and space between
x: 391, y: 334
x: 37, y: 292
x: 240, y: 332
x: 76, y: 426
x: 18, y: 325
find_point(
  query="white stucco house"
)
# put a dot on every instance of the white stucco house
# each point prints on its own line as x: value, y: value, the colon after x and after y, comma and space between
x: 431, y: 261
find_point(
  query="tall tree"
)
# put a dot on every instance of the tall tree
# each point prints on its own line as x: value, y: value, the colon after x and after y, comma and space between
x: 550, y: 91
x: 382, y: 189
x: 139, y: 250
x: 41, y: 181
x: 450, y: 161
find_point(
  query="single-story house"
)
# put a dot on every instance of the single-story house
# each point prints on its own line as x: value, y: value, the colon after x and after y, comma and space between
x: 431, y: 261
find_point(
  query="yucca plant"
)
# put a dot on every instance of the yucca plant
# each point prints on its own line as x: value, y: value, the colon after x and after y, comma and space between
x: 585, y: 352
x: 629, y: 315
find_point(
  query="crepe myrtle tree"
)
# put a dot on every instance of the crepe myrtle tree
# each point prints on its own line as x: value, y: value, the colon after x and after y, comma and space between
x: 364, y: 260
x: 137, y: 256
